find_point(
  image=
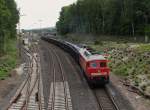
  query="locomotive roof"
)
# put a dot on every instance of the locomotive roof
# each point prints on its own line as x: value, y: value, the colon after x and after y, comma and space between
x: 90, y: 57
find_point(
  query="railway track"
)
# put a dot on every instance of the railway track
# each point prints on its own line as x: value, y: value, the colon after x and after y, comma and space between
x: 29, y: 95
x: 104, y: 98
x: 59, y: 97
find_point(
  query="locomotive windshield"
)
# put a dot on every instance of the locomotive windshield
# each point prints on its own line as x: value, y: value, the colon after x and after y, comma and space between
x: 93, y: 65
x: 103, y: 64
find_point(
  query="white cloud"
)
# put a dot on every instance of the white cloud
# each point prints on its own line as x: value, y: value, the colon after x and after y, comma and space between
x: 45, y: 10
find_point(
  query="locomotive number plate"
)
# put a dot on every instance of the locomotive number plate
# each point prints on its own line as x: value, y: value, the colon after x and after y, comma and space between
x: 96, y: 74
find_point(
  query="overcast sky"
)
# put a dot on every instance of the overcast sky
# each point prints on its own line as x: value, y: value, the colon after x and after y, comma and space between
x: 46, y: 11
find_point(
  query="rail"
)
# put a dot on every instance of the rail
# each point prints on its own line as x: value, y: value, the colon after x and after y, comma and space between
x: 23, y: 95
x: 54, y: 89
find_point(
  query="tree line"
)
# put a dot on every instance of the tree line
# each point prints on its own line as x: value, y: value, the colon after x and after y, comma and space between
x: 9, y: 17
x: 109, y: 17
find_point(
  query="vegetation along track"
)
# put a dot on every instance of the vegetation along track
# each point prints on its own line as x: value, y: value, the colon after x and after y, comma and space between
x: 28, y: 95
x: 59, y: 98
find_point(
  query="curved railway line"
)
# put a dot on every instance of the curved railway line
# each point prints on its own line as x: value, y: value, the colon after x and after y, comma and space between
x: 28, y: 94
x: 59, y: 98
x: 104, y: 98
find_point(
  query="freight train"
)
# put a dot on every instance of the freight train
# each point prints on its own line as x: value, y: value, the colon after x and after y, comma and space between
x: 94, y: 65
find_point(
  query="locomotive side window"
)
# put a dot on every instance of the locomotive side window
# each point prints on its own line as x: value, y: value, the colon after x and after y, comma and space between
x: 93, y: 65
x: 103, y: 64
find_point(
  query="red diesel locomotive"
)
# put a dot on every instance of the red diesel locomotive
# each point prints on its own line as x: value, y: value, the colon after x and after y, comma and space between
x: 94, y: 66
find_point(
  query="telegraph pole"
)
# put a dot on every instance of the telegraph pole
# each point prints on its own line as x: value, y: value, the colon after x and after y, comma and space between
x: 19, y: 32
x: 40, y: 22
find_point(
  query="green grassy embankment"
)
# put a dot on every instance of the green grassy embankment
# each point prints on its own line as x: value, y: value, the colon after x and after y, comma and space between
x: 9, y: 60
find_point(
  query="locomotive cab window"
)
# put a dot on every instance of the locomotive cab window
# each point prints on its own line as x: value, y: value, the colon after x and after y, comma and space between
x: 103, y: 64
x: 93, y: 65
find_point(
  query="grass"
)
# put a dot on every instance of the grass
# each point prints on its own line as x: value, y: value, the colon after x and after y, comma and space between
x: 9, y: 60
x: 144, y: 48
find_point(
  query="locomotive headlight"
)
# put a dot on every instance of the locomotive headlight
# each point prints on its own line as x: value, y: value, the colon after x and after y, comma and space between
x: 99, y: 71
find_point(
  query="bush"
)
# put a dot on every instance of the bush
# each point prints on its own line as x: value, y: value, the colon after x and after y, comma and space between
x: 9, y: 61
x: 97, y: 42
x: 122, y: 70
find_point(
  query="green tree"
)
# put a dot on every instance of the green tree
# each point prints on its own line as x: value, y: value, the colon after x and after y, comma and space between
x: 8, y: 20
x: 113, y: 17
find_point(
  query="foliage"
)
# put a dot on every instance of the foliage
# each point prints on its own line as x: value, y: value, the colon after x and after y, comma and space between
x: 9, y: 17
x: 144, y: 48
x: 113, y: 17
x: 8, y: 62
x: 97, y: 42
x: 133, y: 64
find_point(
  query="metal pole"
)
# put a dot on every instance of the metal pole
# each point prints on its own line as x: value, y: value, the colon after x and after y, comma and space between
x: 40, y: 21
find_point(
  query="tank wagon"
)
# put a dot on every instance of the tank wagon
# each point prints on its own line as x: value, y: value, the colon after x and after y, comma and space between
x: 94, y: 65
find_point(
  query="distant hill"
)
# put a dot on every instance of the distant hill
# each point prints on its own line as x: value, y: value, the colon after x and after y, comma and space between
x: 47, y: 29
